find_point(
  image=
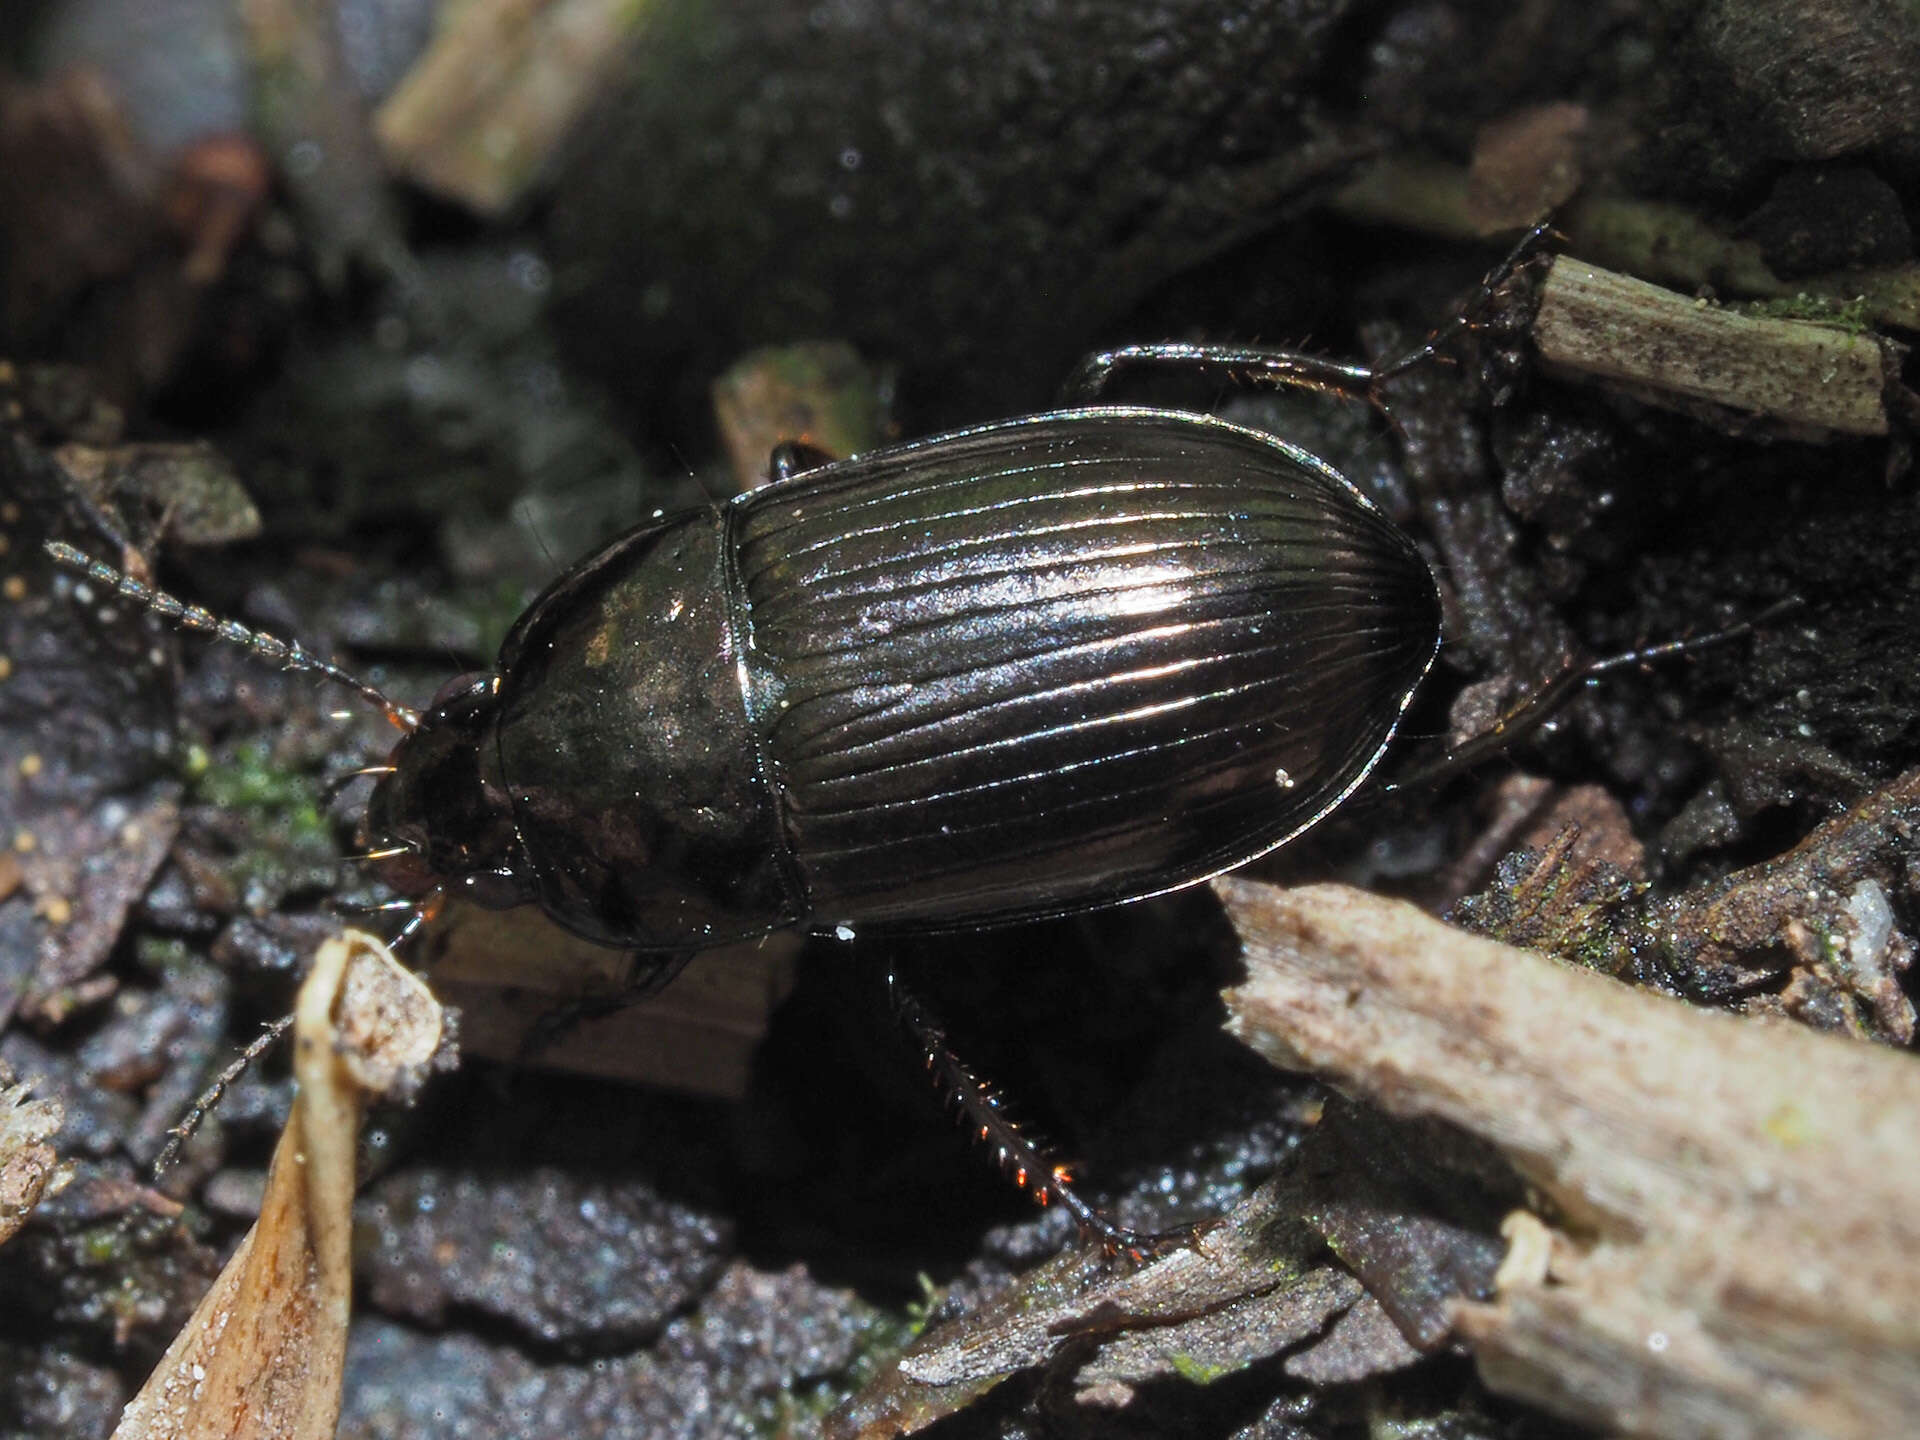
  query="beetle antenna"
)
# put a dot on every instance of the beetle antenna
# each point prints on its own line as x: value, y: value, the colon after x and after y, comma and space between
x: 287, y: 654
x: 211, y: 1096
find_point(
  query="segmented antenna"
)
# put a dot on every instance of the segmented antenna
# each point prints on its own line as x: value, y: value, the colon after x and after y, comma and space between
x: 178, y: 1136
x: 288, y: 654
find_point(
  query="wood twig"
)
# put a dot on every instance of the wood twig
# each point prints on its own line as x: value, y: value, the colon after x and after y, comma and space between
x: 1731, y: 1206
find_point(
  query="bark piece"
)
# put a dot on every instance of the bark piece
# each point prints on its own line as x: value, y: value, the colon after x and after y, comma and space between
x: 1735, y: 1248
x: 1673, y: 351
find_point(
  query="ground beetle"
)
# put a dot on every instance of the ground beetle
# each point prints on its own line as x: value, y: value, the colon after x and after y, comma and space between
x: 1039, y: 666
x: 1031, y: 668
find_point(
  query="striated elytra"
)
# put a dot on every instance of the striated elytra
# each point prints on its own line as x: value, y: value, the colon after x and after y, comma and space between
x: 1040, y: 666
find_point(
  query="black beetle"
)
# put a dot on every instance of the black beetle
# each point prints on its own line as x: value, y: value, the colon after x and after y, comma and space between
x: 1036, y: 667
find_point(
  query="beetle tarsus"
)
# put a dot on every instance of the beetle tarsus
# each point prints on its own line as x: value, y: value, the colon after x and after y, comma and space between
x: 1261, y: 364
x: 1463, y: 317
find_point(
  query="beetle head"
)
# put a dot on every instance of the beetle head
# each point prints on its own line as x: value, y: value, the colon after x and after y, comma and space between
x: 436, y: 819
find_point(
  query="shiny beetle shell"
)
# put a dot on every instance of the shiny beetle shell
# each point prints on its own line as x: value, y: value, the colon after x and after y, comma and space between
x: 1040, y: 666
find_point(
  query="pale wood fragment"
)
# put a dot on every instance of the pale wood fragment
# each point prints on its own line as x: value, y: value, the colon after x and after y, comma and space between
x: 1649, y: 238
x: 482, y: 113
x: 1668, y: 348
x: 508, y: 972
x: 1733, y: 1204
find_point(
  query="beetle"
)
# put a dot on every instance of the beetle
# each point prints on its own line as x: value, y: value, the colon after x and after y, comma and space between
x: 1034, y: 667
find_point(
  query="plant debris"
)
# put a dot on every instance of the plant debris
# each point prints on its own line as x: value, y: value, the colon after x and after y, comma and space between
x: 1730, y: 1204
x: 263, y: 1356
x: 28, y: 1164
x: 1676, y: 352
x: 1812, y: 934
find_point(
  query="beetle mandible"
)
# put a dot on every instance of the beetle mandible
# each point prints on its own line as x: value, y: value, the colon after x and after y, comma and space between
x: 1035, y: 667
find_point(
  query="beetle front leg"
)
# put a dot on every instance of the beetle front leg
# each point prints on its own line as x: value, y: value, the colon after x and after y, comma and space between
x: 651, y: 974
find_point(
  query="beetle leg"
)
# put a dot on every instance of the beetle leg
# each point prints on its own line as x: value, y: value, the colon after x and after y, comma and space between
x: 1463, y: 316
x: 1232, y: 362
x: 795, y: 457
x: 1537, y: 708
x: 1019, y: 1156
x: 651, y: 974
x: 1263, y: 364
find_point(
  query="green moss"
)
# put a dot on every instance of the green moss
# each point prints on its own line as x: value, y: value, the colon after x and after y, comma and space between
x: 921, y: 1310
x: 493, y: 610
x: 162, y: 955
x: 103, y: 1246
x: 1198, y: 1371
x: 1853, y: 316
x: 801, y: 1408
x: 248, y: 779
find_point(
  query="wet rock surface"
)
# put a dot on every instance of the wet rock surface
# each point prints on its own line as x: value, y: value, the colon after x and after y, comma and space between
x: 561, y: 1260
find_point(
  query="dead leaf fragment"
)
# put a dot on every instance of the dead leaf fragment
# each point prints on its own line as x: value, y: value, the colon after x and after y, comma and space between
x: 818, y: 392
x: 1526, y: 165
x: 1256, y: 1285
x: 262, y: 1357
x: 27, y: 1162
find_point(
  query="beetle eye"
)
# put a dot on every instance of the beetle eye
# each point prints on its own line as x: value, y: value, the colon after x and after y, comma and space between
x: 458, y: 686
